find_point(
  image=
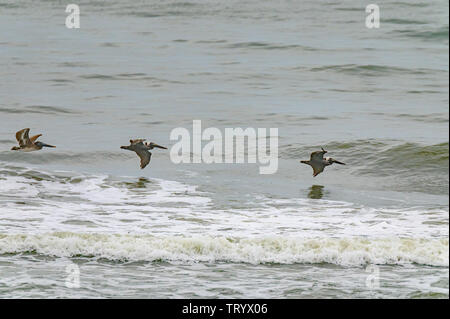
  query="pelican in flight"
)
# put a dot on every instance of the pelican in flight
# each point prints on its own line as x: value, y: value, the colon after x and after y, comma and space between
x: 142, y: 150
x: 318, y: 162
x: 27, y: 143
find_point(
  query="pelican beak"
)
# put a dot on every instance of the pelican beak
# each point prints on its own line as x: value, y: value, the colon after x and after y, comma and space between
x: 47, y: 145
x: 339, y: 162
x: 159, y: 146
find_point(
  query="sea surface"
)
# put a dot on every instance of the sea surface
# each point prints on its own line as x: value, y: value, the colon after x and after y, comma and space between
x: 376, y: 99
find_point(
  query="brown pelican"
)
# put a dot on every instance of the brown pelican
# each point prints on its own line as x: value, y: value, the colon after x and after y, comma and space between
x: 318, y: 162
x: 27, y: 143
x: 142, y: 150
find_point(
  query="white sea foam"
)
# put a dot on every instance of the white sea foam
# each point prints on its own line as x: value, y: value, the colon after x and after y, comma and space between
x: 73, y: 203
x: 270, y: 249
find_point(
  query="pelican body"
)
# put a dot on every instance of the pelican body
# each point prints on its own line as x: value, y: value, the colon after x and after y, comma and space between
x: 27, y: 143
x: 142, y: 150
x: 318, y: 162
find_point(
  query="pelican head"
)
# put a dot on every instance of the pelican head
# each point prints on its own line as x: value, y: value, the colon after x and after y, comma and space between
x: 332, y: 160
x: 152, y: 145
x: 41, y: 145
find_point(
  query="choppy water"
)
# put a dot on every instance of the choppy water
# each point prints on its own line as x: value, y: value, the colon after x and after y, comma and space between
x: 376, y: 99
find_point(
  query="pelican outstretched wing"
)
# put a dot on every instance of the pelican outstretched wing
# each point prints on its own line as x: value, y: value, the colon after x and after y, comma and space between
x: 34, y: 138
x: 317, y: 156
x: 145, y: 157
x: 317, y: 169
x: 23, y: 138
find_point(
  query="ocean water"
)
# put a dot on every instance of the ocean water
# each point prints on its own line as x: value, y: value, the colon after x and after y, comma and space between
x: 376, y: 99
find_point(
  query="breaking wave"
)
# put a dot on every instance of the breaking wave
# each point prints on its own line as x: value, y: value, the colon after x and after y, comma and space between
x: 276, y: 249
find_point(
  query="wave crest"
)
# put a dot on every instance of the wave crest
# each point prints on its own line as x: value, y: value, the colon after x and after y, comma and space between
x: 276, y: 249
